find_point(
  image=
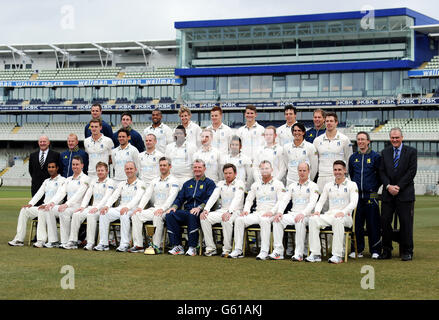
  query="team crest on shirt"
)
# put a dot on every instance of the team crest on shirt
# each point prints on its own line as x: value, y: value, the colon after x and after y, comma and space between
x: 345, y: 189
x: 356, y: 160
x: 307, y: 190
x: 79, y: 182
x: 201, y: 187
x: 153, y: 159
x: 102, y: 146
x: 233, y: 189
x: 128, y: 153
x: 222, y: 134
x: 167, y: 185
x: 338, y: 143
x: 304, y: 152
x: 161, y: 131
x: 191, y: 186
x: 240, y: 162
x: 368, y: 160
x: 272, y: 188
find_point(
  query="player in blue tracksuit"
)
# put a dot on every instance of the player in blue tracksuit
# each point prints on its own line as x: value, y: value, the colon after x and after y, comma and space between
x: 319, y: 126
x: 192, y: 198
x: 66, y: 157
x: 364, y: 171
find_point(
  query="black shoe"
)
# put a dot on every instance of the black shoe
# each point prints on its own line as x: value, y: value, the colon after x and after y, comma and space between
x: 406, y: 257
x: 385, y: 255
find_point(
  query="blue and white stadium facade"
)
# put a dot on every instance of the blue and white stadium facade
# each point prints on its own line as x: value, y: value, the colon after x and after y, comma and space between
x: 376, y: 69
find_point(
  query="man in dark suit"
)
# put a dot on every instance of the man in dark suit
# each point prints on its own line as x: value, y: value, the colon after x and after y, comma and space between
x: 38, y: 161
x: 397, y: 171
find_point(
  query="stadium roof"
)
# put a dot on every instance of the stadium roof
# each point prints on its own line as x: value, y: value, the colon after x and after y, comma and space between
x: 420, y: 19
x: 89, y: 47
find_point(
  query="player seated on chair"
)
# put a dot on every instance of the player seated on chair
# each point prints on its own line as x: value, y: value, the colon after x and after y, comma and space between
x: 30, y: 211
x: 343, y: 198
x: 74, y: 187
x: 161, y: 193
x: 304, y: 195
x: 192, y: 198
x: 231, y: 190
x: 267, y: 193
x: 101, y: 188
x: 130, y: 192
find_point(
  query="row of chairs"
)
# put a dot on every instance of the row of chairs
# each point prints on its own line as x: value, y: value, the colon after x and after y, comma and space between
x: 251, y: 232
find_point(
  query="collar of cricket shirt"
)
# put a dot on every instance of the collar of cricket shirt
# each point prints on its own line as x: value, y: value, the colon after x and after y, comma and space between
x: 127, y: 147
x: 253, y: 126
x: 302, y: 145
x: 305, y: 184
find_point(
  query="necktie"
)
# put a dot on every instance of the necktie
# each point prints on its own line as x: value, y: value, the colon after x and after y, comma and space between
x: 42, y: 160
x: 396, y: 159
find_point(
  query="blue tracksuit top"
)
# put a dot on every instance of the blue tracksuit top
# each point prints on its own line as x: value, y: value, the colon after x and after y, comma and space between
x: 66, y: 161
x: 364, y: 171
x: 313, y: 133
x: 194, y: 193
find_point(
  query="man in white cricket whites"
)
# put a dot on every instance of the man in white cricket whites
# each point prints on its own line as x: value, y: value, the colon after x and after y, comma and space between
x: 74, y: 187
x: 97, y: 146
x: 299, y: 151
x: 251, y: 133
x: 242, y: 163
x: 284, y: 132
x: 221, y: 132
x: 101, y: 188
x: 271, y: 152
x: 122, y: 154
x: 304, y: 194
x: 193, y: 130
x: 129, y: 193
x: 160, y: 130
x: 267, y: 193
x: 149, y: 160
x: 161, y: 193
x: 343, y: 199
x: 181, y: 154
x: 231, y: 191
x: 331, y: 146
x: 30, y: 211
x: 210, y: 155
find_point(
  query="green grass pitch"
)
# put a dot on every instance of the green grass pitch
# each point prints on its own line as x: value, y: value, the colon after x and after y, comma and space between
x: 30, y: 273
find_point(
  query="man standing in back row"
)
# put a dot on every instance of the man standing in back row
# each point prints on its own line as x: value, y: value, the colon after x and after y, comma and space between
x: 96, y: 114
x: 331, y: 146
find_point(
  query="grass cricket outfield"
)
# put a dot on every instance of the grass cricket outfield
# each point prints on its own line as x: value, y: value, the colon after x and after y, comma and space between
x: 30, y: 273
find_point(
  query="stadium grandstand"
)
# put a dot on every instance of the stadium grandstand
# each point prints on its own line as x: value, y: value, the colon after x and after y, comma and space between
x: 375, y: 73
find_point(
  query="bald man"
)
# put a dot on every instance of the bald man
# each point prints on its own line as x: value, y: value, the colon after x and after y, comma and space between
x: 66, y: 157
x: 38, y: 161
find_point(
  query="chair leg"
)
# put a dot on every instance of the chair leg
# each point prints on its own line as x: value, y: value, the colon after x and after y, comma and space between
x: 33, y: 226
x: 346, y: 247
x: 200, y: 236
x: 244, y: 243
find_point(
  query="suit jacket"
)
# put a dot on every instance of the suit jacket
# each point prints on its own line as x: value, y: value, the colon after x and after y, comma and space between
x: 402, y: 176
x: 37, y: 174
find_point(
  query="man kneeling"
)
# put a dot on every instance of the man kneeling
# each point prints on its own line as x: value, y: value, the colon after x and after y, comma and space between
x: 343, y: 199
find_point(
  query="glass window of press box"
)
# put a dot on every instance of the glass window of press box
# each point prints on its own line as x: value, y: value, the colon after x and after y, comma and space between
x: 313, y: 85
x: 383, y: 38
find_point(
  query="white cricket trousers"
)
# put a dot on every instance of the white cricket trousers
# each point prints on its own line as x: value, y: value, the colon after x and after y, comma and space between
x: 278, y: 233
x: 64, y: 223
x: 242, y: 222
x: 324, y: 220
x: 216, y: 217
x: 24, y: 216
x: 125, y: 228
x: 92, y: 222
x: 137, y: 221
